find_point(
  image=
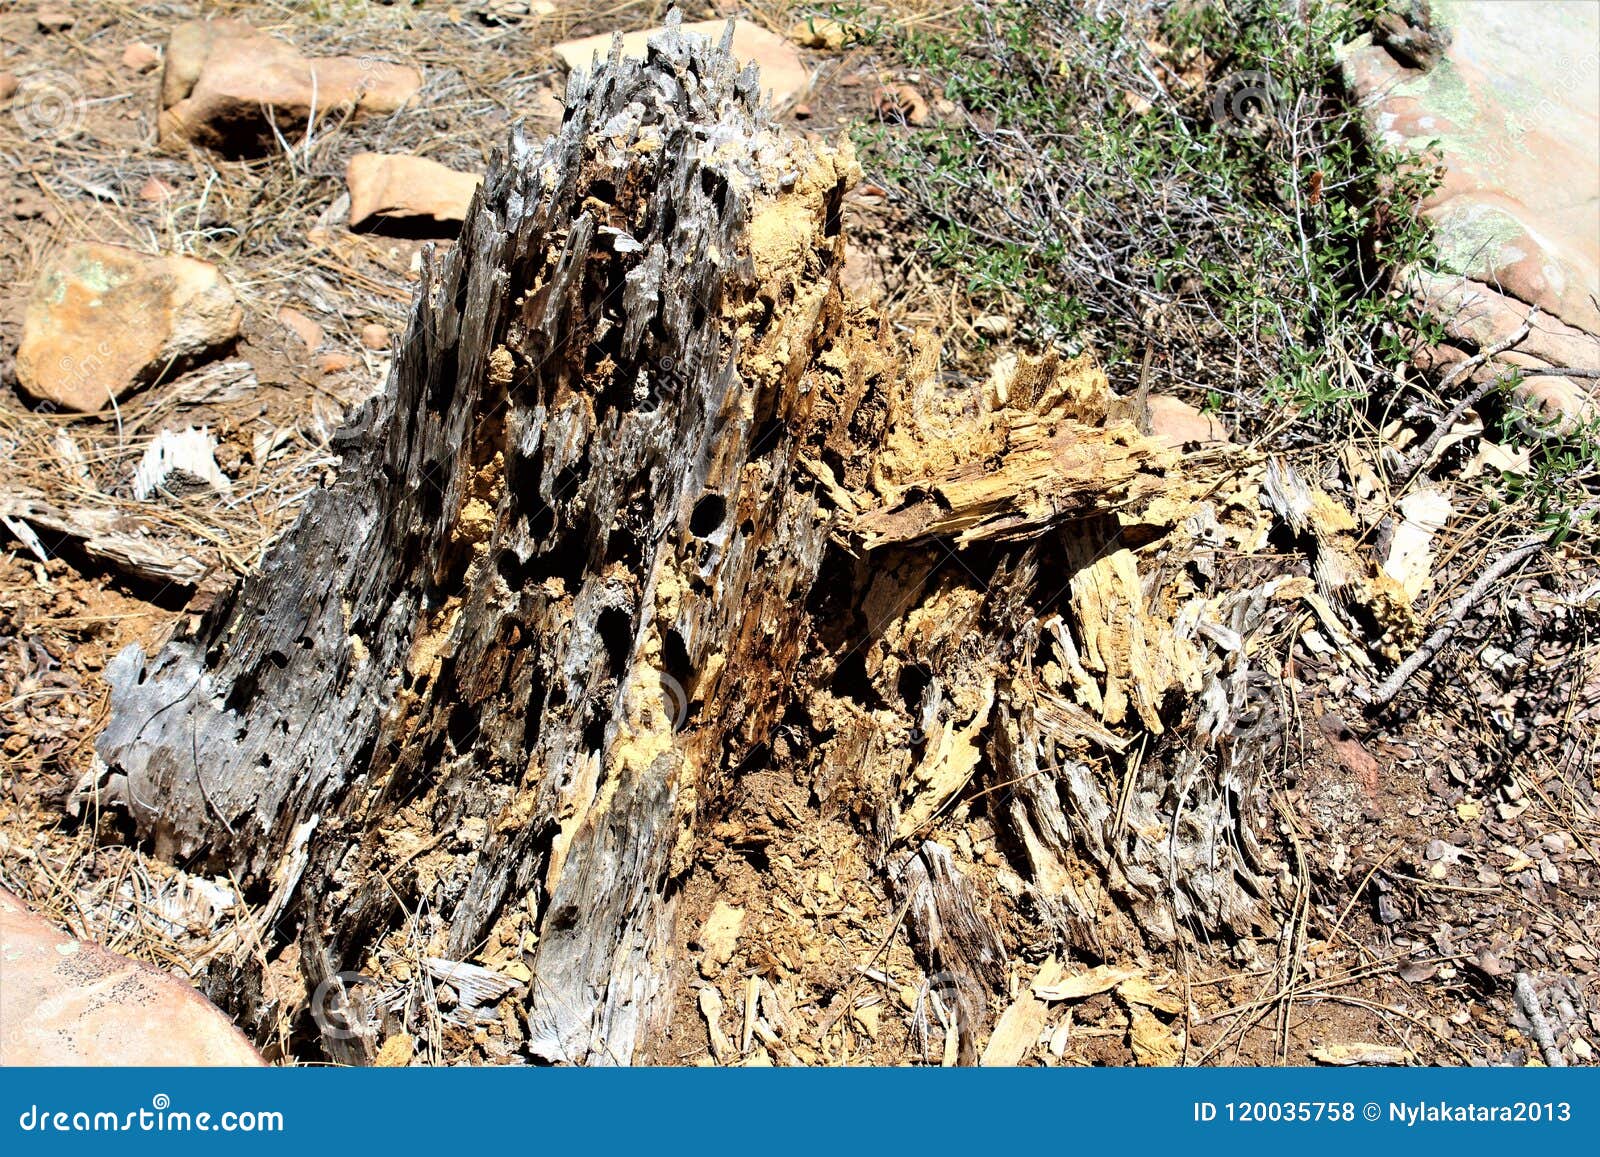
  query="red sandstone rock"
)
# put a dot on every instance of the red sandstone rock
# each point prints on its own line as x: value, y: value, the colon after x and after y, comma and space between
x: 395, y: 187
x: 226, y: 85
x: 1177, y: 424
x: 71, y: 1002
x: 104, y: 320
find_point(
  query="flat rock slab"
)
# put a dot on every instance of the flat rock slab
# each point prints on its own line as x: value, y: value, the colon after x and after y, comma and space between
x: 104, y: 320
x: 1176, y: 424
x: 398, y: 188
x: 70, y: 1002
x: 1513, y: 109
x: 233, y: 89
x: 784, y: 77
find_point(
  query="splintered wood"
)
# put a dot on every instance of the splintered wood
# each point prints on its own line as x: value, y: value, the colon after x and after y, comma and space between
x: 104, y: 533
x: 1037, y: 452
x: 1345, y: 577
x: 649, y: 502
x: 556, y: 590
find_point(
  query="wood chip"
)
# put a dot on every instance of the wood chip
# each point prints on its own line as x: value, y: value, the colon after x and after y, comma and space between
x: 1423, y: 514
x: 1102, y: 978
x: 1142, y: 990
x: 1020, y: 1026
x: 722, y: 1049
x: 1361, y: 1053
x: 719, y: 936
x: 179, y: 461
x: 477, y: 986
x: 752, y: 989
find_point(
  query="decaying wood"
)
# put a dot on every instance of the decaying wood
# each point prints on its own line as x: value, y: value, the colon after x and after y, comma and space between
x: 1019, y: 1026
x: 953, y: 931
x: 105, y: 534
x: 642, y: 483
x: 1346, y: 576
x: 1039, y: 453
x: 559, y: 579
x: 1049, y: 473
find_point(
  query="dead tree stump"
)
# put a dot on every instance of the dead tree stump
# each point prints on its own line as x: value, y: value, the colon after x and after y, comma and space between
x: 566, y: 584
x: 559, y: 580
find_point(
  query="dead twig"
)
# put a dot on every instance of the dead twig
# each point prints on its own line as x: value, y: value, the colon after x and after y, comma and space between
x: 1528, y: 1002
x: 1435, y: 642
x: 1419, y: 459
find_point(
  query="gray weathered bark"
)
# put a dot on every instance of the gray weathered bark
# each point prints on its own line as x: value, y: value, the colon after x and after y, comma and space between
x: 560, y: 575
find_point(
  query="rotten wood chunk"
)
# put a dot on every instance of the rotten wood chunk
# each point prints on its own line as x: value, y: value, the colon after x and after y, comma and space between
x: 110, y: 535
x: 956, y: 934
x: 1037, y: 453
x: 1347, y: 576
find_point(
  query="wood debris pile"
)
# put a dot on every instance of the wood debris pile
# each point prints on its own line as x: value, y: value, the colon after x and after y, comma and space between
x: 648, y: 504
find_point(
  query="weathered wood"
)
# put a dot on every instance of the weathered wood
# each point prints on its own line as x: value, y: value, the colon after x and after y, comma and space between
x: 1347, y: 576
x: 106, y: 534
x: 955, y: 934
x: 560, y: 578
x: 1040, y: 453
x: 1049, y: 473
x: 642, y: 480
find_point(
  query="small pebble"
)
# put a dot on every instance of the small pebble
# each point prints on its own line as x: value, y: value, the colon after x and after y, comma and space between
x: 155, y: 189
x: 303, y: 327
x: 140, y: 57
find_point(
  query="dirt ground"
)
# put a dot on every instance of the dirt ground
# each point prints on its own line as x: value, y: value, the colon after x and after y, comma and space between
x: 1424, y: 862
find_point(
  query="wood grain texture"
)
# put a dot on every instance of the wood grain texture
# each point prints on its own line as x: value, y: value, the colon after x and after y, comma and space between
x: 646, y: 501
x: 561, y: 573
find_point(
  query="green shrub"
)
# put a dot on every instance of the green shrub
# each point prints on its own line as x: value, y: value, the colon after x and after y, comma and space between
x: 1183, y: 180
